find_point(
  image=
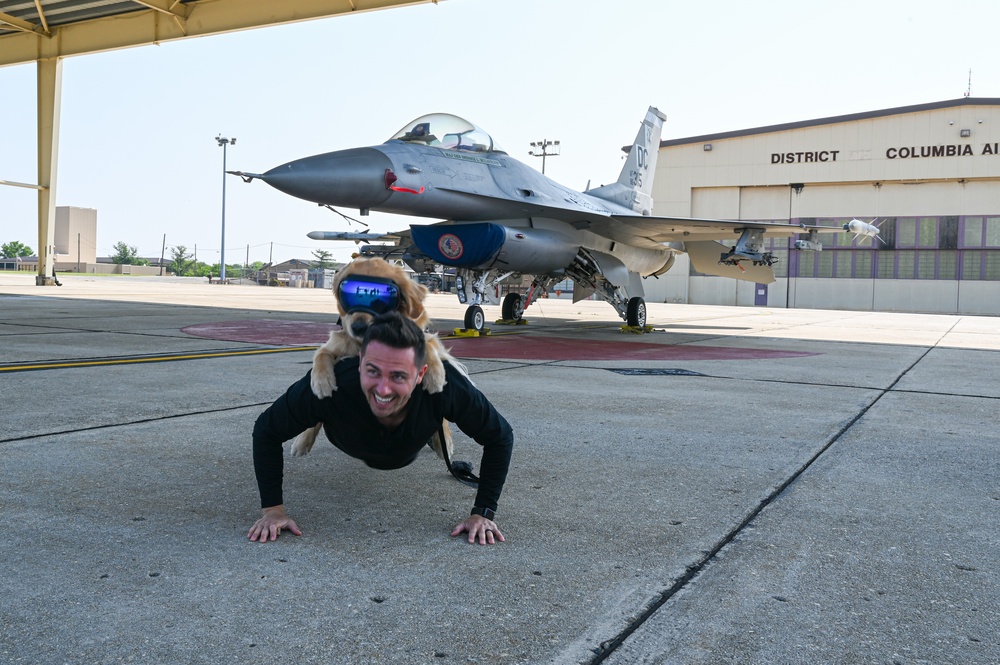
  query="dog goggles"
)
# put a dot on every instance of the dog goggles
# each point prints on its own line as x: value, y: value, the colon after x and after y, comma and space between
x: 374, y: 295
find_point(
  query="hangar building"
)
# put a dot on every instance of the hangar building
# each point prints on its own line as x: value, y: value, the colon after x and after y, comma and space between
x: 929, y: 173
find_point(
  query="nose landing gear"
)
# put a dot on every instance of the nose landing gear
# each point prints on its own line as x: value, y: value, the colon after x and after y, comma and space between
x: 635, y: 313
x: 475, y: 319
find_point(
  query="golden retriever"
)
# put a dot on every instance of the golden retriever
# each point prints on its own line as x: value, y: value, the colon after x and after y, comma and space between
x: 346, y: 342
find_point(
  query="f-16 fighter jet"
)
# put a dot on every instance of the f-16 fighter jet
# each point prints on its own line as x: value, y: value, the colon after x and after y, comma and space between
x: 502, y: 218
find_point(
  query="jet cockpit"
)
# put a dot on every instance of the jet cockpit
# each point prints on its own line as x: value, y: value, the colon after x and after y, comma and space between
x: 443, y: 130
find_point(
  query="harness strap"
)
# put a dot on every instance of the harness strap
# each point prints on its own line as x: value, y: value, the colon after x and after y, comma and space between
x: 462, y: 471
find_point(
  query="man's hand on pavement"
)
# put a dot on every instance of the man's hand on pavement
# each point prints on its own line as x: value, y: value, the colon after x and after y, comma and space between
x: 480, y: 530
x: 270, y: 525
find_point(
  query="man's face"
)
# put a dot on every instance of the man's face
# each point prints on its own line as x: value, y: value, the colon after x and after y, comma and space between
x: 388, y: 378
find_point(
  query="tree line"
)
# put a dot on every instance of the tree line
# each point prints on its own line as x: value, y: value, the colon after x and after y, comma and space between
x: 182, y: 262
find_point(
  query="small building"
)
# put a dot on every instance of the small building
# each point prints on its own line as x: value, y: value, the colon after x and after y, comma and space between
x: 75, y: 238
x: 25, y: 263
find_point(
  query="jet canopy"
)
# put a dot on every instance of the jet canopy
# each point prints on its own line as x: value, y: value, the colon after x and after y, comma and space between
x: 443, y: 130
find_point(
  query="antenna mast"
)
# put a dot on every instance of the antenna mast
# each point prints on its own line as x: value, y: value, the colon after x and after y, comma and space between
x: 968, y: 90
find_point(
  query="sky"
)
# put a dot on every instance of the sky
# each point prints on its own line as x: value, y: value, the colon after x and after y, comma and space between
x: 137, y: 138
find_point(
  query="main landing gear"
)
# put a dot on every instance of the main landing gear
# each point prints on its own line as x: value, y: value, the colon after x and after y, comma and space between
x: 512, y: 308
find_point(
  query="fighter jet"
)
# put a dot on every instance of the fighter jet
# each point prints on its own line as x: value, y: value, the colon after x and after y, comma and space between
x: 502, y: 218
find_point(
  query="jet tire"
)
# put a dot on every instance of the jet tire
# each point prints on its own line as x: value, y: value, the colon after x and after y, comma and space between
x: 512, y: 308
x: 474, y: 318
x: 635, y: 312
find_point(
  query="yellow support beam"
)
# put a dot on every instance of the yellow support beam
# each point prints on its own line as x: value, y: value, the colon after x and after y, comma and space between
x: 49, y: 102
x: 19, y: 24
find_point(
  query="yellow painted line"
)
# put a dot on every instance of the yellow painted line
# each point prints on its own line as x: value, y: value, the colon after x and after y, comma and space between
x: 151, y: 359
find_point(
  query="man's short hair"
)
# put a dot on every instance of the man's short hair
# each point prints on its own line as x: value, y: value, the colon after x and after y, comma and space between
x: 399, y: 332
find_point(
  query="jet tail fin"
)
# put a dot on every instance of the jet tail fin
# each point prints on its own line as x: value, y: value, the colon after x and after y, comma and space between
x: 635, y: 184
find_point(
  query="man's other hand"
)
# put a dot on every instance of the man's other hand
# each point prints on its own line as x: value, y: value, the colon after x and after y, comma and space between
x: 270, y: 525
x: 480, y: 530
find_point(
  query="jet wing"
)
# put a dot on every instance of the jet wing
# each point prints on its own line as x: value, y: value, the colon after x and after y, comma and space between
x: 653, y: 231
x: 588, y: 213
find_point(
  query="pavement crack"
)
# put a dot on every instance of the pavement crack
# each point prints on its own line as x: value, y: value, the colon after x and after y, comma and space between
x: 607, y: 647
x: 129, y: 423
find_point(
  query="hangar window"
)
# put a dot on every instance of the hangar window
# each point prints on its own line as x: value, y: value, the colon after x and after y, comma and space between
x: 947, y: 265
x: 981, y: 264
x: 905, y: 262
x: 863, y: 265
x: 887, y: 265
x: 981, y: 232
x: 948, y: 233
x: 906, y: 233
x: 972, y: 264
x: 972, y: 234
x: 780, y: 268
x: 992, y: 232
x: 924, y: 265
x: 927, y: 232
x: 824, y: 264
x: 991, y: 265
x: 844, y: 263
x: 807, y: 264
x: 917, y: 232
x: 837, y: 239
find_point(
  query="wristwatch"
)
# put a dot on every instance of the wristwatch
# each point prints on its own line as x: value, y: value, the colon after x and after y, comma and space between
x: 485, y: 512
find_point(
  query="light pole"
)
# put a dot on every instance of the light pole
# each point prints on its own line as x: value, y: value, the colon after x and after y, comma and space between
x: 224, y: 142
x: 543, y: 145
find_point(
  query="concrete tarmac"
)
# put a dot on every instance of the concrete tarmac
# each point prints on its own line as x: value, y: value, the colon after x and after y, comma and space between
x: 741, y: 485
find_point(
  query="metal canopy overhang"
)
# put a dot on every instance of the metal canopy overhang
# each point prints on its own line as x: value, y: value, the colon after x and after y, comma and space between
x: 32, y: 30
x: 47, y: 31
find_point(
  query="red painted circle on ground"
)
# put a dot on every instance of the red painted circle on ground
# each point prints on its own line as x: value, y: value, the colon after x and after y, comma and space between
x: 265, y: 331
x: 509, y: 347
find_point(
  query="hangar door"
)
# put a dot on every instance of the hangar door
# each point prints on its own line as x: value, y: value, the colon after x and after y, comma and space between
x: 765, y: 203
x: 756, y: 203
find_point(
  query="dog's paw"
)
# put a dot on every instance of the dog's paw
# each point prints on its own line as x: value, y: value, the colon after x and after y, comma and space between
x: 299, y: 446
x: 434, y: 378
x: 323, y: 381
x: 304, y: 442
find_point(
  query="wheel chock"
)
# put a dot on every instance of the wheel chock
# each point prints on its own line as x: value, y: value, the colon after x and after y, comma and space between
x: 511, y: 322
x: 470, y: 332
x: 636, y: 330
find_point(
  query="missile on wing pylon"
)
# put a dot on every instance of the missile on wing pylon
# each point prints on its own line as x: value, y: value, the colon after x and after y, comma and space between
x: 343, y: 235
x: 863, y: 230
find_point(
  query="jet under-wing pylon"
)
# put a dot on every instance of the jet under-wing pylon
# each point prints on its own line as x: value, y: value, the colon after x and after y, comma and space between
x: 502, y: 218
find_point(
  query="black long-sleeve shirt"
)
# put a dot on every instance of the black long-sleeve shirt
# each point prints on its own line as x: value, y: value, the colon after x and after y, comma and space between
x: 350, y: 424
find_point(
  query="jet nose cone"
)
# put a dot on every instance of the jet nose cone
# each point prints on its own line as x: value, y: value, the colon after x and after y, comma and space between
x: 348, y: 178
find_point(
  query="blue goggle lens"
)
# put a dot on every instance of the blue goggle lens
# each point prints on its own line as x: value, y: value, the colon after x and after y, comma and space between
x: 368, y: 294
